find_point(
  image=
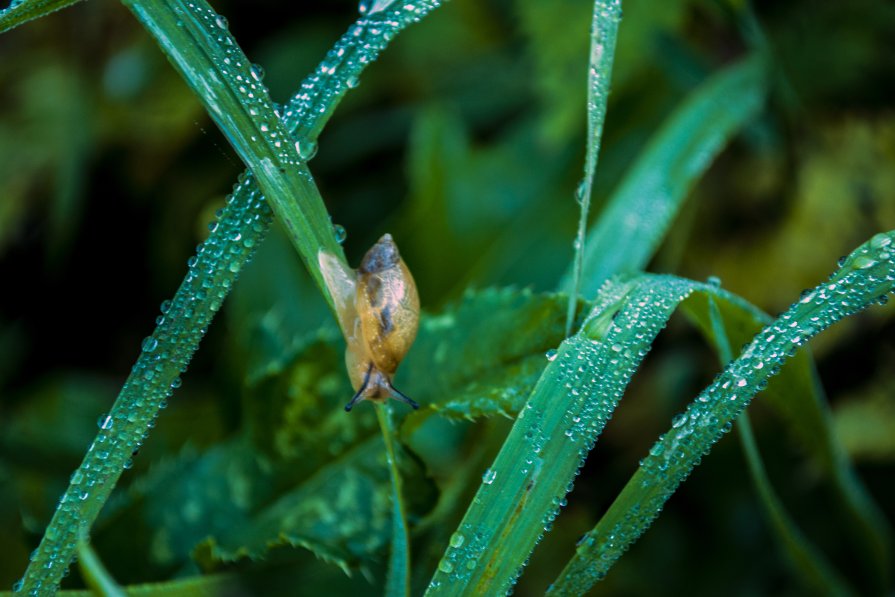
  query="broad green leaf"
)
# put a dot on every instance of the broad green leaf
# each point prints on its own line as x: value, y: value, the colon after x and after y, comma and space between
x: 342, y: 512
x: 22, y: 11
x: 640, y: 210
x: 474, y: 349
x: 185, y: 318
x: 604, y: 30
x: 865, y: 277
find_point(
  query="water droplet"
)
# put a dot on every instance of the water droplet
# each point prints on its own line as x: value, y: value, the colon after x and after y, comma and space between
x: 221, y: 21
x: 149, y: 344
x: 104, y: 422
x: 863, y: 262
x: 581, y: 191
x: 257, y: 72
x: 551, y: 354
x: 489, y: 476
x: 446, y: 566
x: 679, y: 420
x: 306, y: 148
x: 340, y: 232
x: 457, y: 540
x: 713, y: 281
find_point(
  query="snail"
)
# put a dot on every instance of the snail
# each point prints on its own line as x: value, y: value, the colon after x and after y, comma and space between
x: 378, y: 309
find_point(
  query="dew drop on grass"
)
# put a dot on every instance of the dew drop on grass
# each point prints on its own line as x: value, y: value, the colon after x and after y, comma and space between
x: 551, y: 354
x: 340, y: 232
x: 489, y: 476
x: 306, y: 148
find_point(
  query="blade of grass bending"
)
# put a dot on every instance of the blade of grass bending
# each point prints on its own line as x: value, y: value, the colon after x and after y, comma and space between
x: 603, y: 33
x: 212, y: 272
x: 96, y: 577
x: 640, y: 210
x: 866, y: 276
x: 798, y: 397
x: 197, y: 42
x: 808, y: 563
x: 398, y: 579
x: 22, y: 11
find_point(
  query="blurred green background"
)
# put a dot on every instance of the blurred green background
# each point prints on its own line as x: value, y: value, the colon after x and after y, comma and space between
x: 465, y: 141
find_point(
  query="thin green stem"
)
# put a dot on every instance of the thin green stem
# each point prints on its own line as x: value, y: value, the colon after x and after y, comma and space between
x: 604, y: 31
x: 94, y: 572
x: 398, y: 579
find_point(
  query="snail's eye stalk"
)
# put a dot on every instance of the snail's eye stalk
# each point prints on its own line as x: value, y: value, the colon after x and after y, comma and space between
x: 399, y: 395
x: 360, y: 393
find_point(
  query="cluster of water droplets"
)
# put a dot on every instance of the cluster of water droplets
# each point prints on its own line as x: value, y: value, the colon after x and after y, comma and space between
x: 865, y: 278
x: 183, y: 320
x: 360, y: 46
x: 558, y: 427
x: 246, y: 79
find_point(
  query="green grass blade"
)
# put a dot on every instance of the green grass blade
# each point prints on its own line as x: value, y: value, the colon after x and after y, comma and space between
x: 798, y: 398
x: 637, y: 215
x: 524, y: 488
x: 604, y: 30
x: 212, y: 585
x: 95, y: 574
x: 398, y: 579
x: 212, y: 272
x: 22, y: 11
x: 866, y: 276
x: 809, y: 564
x: 197, y: 42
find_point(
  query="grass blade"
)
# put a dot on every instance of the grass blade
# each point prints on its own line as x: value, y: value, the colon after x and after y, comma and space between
x: 212, y: 272
x: 642, y: 207
x: 22, y: 11
x: 524, y: 488
x: 398, y: 579
x: 197, y: 42
x: 94, y: 572
x: 866, y: 276
x: 808, y: 563
x: 604, y: 30
x: 798, y: 398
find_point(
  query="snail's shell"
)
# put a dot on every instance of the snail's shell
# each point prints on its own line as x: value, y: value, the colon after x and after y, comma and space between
x: 388, y: 306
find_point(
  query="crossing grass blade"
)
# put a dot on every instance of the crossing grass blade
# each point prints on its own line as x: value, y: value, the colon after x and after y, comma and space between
x: 212, y: 271
x: 865, y: 277
x: 640, y: 210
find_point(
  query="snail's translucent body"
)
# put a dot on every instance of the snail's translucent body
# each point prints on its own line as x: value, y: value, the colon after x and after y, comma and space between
x: 378, y: 308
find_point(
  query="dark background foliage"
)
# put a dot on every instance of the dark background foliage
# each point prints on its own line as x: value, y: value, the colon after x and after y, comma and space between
x: 465, y: 141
